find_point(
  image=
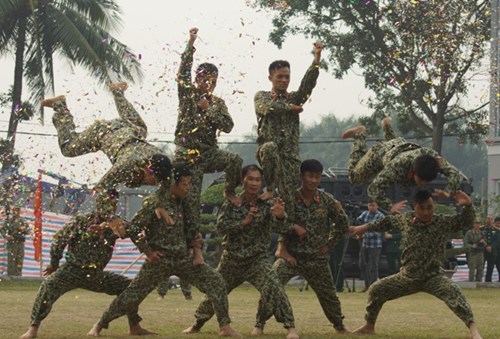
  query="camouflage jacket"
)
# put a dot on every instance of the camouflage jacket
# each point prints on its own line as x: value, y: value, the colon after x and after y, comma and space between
x: 423, y: 244
x: 472, y: 237
x: 275, y: 120
x: 197, y: 130
x: 87, y: 248
x: 241, y: 241
x: 17, y: 228
x: 150, y: 233
x: 398, y: 170
x: 325, y: 222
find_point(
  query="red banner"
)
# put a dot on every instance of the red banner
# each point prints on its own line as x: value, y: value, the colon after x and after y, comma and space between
x: 37, y: 239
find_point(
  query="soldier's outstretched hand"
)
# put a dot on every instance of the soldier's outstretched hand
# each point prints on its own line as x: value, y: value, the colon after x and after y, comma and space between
x: 317, y: 48
x: 358, y: 231
x: 398, y: 207
x: 162, y: 213
x: 438, y: 193
x: 462, y: 199
x: 193, y: 35
x: 278, y: 209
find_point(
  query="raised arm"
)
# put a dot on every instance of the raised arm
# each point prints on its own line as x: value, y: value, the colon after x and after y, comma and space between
x: 184, y: 83
x: 265, y: 104
x: 309, y: 80
x: 462, y: 220
x: 453, y: 175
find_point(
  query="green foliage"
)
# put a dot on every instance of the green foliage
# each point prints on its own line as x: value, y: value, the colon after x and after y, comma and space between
x: 418, y: 57
x: 214, y: 195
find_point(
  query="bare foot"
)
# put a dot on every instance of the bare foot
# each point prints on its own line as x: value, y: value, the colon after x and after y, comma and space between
x: 228, y: 331
x: 118, y: 86
x: 292, y: 334
x: 282, y: 253
x: 257, y: 332
x: 352, y: 132
x: 266, y: 195
x: 95, y: 331
x: 191, y: 330
x: 197, y: 257
x: 386, y: 121
x: 138, y: 330
x: 234, y: 199
x: 474, y: 332
x: 344, y: 331
x: 367, y: 328
x: 31, y: 333
x: 51, y: 101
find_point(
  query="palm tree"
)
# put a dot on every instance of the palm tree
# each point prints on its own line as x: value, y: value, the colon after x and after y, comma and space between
x: 78, y: 30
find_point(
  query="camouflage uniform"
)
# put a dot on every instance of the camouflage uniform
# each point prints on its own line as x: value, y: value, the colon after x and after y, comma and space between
x: 326, y: 223
x: 421, y: 260
x: 123, y: 140
x: 245, y: 258
x: 278, y: 136
x: 475, y: 256
x: 171, y: 241
x: 391, y: 162
x: 490, y: 235
x: 164, y: 286
x: 17, y: 228
x: 88, y: 254
x: 196, y: 137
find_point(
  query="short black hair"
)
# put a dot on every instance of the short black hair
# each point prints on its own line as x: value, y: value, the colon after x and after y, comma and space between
x: 206, y: 68
x: 248, y: 168
x: 311, y: 165
x: 161, y: 167
x: 426, y: 167
x: 422, y: 196
x: 179, y: 171
x: 278, y: 64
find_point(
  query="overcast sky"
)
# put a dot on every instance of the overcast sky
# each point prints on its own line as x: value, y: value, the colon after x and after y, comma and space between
x: 231, y: 35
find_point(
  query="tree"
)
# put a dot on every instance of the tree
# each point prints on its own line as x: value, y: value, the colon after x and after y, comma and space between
x: 78, y: 30
x: 418, y: 57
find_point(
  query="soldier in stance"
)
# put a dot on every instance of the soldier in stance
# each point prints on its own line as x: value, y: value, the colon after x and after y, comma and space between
x: 202, y: 116
x: 319, y: 215
x: 165, y: 242
x: 423, y: 235
x: 135, y: 162
x: 90, y: 240
x: 246, y: 232
x: 14, y: 230
x: 395, y: 161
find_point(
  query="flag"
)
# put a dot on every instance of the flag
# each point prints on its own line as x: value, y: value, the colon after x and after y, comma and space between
x: 37, y: 239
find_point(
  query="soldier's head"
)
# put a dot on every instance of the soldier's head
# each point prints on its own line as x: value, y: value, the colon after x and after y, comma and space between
x: 251, y: 179
x: 497, y: 222
x: 279, y: 75
x: 477, y: 223
x: 310, y: 174
x: 206, y: 78
x: 158, y: 169
x: 423, y: 206
x: 182, y: 181
x: 372, y: 206
x: 425, y: 169
x: 490, y: 220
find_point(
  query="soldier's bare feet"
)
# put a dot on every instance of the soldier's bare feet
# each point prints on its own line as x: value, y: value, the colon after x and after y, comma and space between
x: 257, y: 332
x: 281, y: 252
x: 30, y: 333
x: 95, y: 331
x: 292, y: 334
x: 474, y: 332
x: 352, y: 132
x: 367, y: 328
x: 266, y: 195
x: 386, y: 121
x: 51, y: 101
x: 191, y: 330
x: 228, y: 331
x: 118, y: 86
x: 138, y: 330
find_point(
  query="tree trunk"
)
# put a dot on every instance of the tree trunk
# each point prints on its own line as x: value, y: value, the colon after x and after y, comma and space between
x: 438, y: 130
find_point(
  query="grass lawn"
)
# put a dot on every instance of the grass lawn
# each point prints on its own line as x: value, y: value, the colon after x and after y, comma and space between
x: 417, y: 316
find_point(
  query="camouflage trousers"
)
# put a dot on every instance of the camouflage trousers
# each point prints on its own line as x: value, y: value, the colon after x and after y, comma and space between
x: 164, y: 286
x: 209, y: 161
x: 203, y: 277
x: 318, y: 275
x: 259, y: 272
x: 15, y: 257
x: 68, y: 278
x: 475, y: 261
x: 281, y: 171
x: 400, y: 285
x: 364, y: 164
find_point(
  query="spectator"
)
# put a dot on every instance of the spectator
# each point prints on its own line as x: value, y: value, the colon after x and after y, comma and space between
x: 490, y: 250
x: 475, y: 259
x: 14, y: 230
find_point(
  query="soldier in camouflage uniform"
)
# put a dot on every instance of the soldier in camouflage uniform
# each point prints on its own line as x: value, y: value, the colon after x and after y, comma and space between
x: 165, y: 242
x: 164, y: 286
x: 395, y: 161
x: 475, y: 256
x: 490, y: 234
x: 14, y: 230
x: 90, y: 241
x: 423, y: 236
x: 134, y: 161
x: 202, y: 116
x: 325, y: 223
x: 278, y: 122
x: 246, y: 235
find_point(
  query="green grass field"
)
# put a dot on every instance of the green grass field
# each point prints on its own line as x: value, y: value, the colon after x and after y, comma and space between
x: 417, y: 316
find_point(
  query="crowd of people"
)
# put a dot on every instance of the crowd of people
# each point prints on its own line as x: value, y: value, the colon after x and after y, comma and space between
x: 310, y: 222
